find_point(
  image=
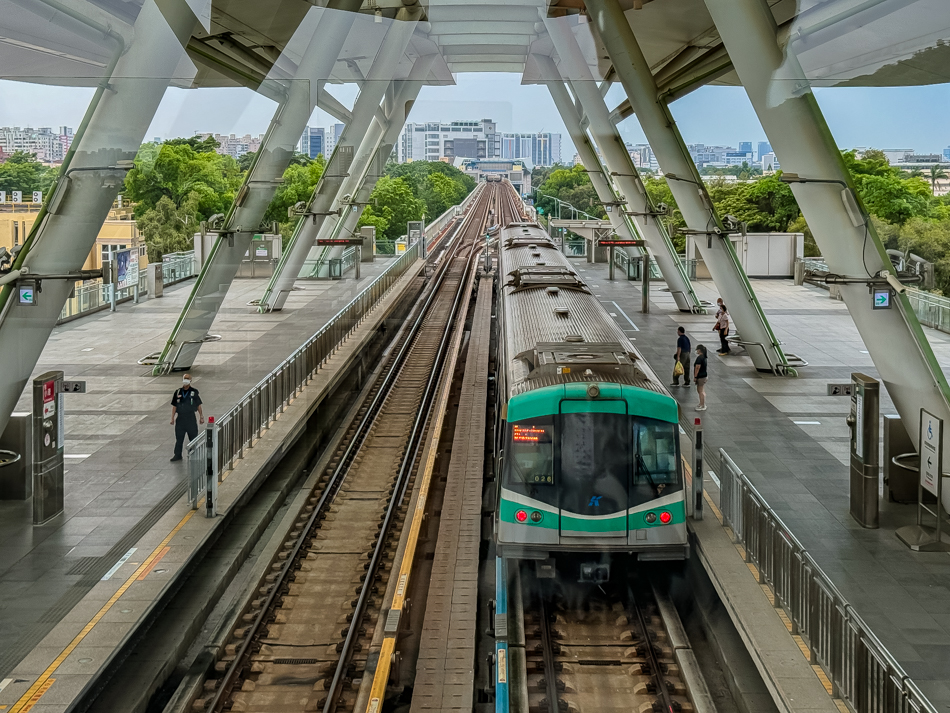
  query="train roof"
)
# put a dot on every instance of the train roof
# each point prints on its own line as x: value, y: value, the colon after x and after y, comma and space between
x: 555, y: 330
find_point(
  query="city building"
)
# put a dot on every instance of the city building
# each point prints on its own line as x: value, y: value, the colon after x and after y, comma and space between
x: 330, y: 137
x: 764, y: 147
x: 541, y: 149
x: 435, y: 141
x: 313, y: 142
x: 235, y: 146
x: 518, y: 171
x: 896, y: 155
x: 49, y: 146
x: 642, y: 156
x: 769, y: 163
x: 745, y: 147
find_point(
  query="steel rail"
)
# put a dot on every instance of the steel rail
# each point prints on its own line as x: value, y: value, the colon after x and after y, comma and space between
x: 662, y: 691
x: 239, y: 663
x: 416, y: 441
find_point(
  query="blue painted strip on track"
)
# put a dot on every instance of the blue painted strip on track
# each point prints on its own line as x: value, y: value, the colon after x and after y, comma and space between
x: 501, y: 645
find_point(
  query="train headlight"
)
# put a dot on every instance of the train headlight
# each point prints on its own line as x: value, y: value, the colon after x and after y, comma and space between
x: 521, y: 516
x: 665, y: 517
x: 536, y: 516
x: 650, y: 517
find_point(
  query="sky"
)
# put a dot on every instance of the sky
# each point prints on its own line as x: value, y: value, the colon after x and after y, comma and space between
x: 904, y: 117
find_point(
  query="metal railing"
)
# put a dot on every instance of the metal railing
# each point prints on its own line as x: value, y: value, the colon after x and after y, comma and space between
x: 328, y: 268
x: 247, y: 420
x: 631, y: 269
x: 95, y: 296
x: 862, y: 672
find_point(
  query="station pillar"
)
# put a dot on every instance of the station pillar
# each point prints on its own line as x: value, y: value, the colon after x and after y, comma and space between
x: 782, y: 97
x: 656, y: 120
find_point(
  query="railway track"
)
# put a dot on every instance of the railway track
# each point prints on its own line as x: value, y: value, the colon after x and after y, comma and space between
x: 303, y: 642
x: 605, y: 649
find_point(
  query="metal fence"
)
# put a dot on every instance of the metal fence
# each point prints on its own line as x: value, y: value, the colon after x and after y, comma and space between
x: 862, y: 672
x: 96, y: 296
x: 247, y: 420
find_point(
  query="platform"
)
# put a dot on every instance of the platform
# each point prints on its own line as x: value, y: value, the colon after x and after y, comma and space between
x: 119, y: 481
x: 792, y: 441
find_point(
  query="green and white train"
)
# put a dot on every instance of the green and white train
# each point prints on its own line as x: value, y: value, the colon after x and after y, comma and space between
x: 588, y: 457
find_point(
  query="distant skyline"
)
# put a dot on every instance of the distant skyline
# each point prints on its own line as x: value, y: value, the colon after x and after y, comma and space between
x: 901, y: 117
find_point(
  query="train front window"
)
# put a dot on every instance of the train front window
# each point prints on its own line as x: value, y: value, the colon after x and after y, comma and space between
x: 595, y: 462
x: 530, y: 456
x: 655, y: 471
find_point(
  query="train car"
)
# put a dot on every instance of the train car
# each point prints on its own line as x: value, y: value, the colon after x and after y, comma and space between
x: 587, y: 452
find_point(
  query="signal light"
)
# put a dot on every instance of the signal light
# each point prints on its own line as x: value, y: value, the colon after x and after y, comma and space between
x: 521, y: 516
x: 650, y: 517
x: 536, y: 516
x: 665, y: 517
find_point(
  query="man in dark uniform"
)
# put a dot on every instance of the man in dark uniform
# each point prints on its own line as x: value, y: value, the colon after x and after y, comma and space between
x: 184, y: 404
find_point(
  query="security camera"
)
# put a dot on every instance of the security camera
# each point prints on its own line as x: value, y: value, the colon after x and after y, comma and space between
x: 731, y: 222
x: 347, y: 197
x: 663, y: 209
x: 893, y: 282
x: 296, y: 209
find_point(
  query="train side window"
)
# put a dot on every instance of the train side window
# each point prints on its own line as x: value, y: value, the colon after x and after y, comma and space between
x: 530, y: 454
x: 655, y: 471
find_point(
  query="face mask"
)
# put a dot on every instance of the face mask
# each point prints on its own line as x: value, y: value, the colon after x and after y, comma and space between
x: 186, y: 382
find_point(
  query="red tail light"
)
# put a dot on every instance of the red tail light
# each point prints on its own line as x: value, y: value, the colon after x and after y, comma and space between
x: 665, y: 517
x: 521, y: 516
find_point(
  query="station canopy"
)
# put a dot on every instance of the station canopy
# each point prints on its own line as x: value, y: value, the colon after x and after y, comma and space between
x: 258, y: 44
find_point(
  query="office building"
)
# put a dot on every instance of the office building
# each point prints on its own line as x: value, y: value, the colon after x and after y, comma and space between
x: 330, y: 138
x: 769, y: 163
x: 434, y: 141
x: 745, y: 147
x: 48, y: 145
x: 541, y: 149
x: 313, y: 142
x: 763, y: 148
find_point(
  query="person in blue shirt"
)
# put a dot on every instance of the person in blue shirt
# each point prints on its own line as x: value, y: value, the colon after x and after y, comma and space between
x: 682, y: 356
x: 185, y: 403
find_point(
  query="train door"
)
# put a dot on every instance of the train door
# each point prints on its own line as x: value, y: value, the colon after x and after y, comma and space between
x: 593, y: 471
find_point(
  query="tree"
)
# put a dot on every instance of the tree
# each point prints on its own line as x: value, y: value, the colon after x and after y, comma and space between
x: 166, y: 229
x: 393, y: 202
x: 570, y: 185
x: 936, y: 173
x: 297, y: 186
x: 206, y: 145
x: 245, y: 161
x: 22, y: 172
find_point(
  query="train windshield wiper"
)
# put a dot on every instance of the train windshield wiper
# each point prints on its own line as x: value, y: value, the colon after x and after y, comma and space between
x: 642, y: 466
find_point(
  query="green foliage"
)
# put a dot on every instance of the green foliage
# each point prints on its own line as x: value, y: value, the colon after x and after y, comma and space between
x: 392, y: 206
x: 572, y: 186
x: 438, y: 184
x: 176, y: 171
x: 743, y: 172
x: 22, y: 172
x: 206, y: 145
x: 298, y: 184
x: 166, y: 228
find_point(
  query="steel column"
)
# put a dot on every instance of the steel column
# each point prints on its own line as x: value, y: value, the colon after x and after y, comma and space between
x: 91, y: 177
x: 619, y: 163
x: 792, y: 119
x: 657, y: 122
x: 404, y: 95
x: 327, y: 29
x: 330, y: 187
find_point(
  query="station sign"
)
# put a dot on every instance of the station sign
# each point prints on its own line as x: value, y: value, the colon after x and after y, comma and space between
x: 620, y: 242
x: 26, y: 293
x: 882, y: 298
x: 341, y: 241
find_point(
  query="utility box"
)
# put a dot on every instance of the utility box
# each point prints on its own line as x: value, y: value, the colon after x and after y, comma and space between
x: 48, y: 440
x: 155, y: 279
x: 368, y: 250
x: 865, y: 441
x: 901, y: 478
x: 16, y: 476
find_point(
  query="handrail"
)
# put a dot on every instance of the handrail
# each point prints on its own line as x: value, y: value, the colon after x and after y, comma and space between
x: 861, y: 670
x: 246, y: 421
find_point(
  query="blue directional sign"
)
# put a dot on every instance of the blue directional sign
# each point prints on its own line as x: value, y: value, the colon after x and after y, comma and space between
x: 26, y: 294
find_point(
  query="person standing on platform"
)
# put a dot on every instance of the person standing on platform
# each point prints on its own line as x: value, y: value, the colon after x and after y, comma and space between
x: 682, y: 357
x: 722, y: 326
x: 185, y: 402
x: 700, y: 375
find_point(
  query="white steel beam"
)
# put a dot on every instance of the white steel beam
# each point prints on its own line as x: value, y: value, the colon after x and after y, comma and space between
x: 687, y: 185
x: 92, y: 174
x: 793, y: 122
x: 327, y: 29
x: 633, y: 194
x: 330, y: 188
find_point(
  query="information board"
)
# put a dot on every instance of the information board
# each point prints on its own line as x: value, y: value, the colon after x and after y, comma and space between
x: 619, y: 242
x: 930, y: 448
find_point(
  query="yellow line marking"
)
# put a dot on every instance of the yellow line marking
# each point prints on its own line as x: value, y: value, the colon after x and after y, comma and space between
x: 378, y: 690
x: 154, y: 562
x: 42, y: 684
x: 823, y: 677
x: 38, y: 694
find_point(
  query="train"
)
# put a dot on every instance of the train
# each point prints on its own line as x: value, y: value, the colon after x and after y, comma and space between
x: 587, y: 454
x: 492, y: 178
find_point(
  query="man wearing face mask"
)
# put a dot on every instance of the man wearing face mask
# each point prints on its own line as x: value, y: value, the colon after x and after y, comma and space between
x: 184, y: 404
